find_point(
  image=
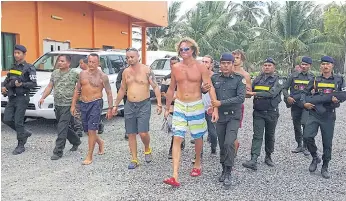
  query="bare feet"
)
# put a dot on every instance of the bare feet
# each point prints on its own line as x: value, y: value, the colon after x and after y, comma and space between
x: 101, y: 147
x: 87, y: 162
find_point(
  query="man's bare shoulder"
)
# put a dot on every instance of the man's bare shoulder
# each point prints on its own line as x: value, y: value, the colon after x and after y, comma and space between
x: 83, y: 73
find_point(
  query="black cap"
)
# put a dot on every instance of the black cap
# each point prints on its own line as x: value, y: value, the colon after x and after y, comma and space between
x: 269, y: 60
x: 327, y: 59
x: 20, y: 48
x: 307, y: 60
x: 227, y: 57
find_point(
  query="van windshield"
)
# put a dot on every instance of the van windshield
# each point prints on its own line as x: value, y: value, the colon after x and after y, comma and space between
x: 48, y: 61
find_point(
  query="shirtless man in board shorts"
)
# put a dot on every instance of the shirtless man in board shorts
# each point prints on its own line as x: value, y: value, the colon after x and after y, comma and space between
x: 239, y: 59
x: 136, y: 82
x: 91, y: 84
x: 189, y: 113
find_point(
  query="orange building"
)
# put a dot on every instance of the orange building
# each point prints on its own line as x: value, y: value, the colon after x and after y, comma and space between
x: 46, y: 26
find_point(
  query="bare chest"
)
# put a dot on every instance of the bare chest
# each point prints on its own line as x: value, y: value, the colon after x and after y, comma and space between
x: 92, y: 80
x: 184, y: 74
x: 137, y: 78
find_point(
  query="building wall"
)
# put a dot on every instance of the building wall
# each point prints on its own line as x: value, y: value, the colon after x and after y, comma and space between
x: 33, y: 23
x: 21, y: 20
x: 155, y: 12
x: 110, y: 34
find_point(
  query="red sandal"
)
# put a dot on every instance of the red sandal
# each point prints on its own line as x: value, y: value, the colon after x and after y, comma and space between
x: 171, y: 181
x: 196, y: 172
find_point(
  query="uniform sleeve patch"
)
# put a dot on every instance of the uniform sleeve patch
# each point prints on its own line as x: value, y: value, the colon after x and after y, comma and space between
x: 243, y: 81
x: 281, y: 82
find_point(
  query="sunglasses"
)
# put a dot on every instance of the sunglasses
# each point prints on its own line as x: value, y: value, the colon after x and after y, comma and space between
x: 184, y: 49
x: 131, y: 49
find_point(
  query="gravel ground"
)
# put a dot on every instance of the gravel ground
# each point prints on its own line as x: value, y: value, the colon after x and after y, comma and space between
x: 33, y: 176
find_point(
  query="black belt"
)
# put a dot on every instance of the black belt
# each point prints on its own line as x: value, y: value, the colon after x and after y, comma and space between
x: 274, y: 110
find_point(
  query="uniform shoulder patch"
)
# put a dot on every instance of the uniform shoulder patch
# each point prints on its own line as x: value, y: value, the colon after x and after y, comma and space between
x: 243, y: 80
x: 281, y: 81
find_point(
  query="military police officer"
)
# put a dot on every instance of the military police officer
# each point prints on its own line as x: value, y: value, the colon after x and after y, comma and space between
x: 230, y: 90
x: 322, y: 84
x: 20, y: 79
x: 296, y: 83
x: 266, y: 89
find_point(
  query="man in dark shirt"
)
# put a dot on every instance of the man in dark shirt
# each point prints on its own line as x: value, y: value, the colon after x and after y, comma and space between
x: 296, y: 83
x: 19, y: 81
x: 325, y: 83
x: 230, y: 88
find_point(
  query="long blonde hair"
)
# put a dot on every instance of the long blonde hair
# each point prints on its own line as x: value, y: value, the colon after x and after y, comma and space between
x: 193, y: 43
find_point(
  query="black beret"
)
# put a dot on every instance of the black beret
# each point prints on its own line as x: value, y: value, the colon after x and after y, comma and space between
x: 227, y: 57
x: 269, y: 60
x: 327, y: 59
x: 20, y: 48
x: 307, y: 60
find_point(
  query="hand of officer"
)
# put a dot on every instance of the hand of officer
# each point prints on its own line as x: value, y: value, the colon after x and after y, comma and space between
x: 214, y: 117
x: 18, y: 84
x: 159, y: 109
x: 73, y: 110
x: 166, y: 113
x: 115, y: 110
x: 335, y: 100
x: 4, y: 90
x: 40, y: 102
x: 205, y: 87
x: 109, y: 114
x: 215, y: 103
x: 291, y: 100
x: 309, y: 106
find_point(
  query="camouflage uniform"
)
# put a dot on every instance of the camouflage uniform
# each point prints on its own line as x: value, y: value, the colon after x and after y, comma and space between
x: 64, y: 84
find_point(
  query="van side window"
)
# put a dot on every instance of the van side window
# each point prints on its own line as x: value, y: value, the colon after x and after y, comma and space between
x: 104, y: 66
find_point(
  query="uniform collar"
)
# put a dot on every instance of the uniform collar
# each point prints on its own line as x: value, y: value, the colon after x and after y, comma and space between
x: 222, y: 75
x: 331, y: 77
x: 267, y: 76
x: 20, y: 64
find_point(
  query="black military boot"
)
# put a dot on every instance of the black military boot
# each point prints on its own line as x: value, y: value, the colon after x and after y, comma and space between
x: 20, y: 147
x: 313, y: 166
x: 227, y: 182
x: 252, y: 164
x: 324, y: 170
x: 298, y: 149
x: 268, y: 160
x: 223, y: 173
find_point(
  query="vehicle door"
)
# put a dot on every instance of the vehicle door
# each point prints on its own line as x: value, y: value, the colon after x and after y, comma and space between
x: 116, y: 62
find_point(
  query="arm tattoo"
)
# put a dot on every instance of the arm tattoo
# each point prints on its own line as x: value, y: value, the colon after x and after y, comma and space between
x: 152, y: 78
x: 108, y: 89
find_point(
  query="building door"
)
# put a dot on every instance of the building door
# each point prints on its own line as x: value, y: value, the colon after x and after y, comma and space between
x: 51, y: 45
x: 8, y: 42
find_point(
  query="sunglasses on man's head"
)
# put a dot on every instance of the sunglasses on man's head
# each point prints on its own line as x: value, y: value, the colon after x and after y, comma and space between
x: 131, y: 49
x: 184, y: 49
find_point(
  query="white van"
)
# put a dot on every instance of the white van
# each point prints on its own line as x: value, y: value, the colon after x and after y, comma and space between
x: 111, y: 62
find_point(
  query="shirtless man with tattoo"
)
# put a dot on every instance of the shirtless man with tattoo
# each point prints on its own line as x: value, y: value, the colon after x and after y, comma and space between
x: 189, y: 112
x: 136, y: 81
x: 91, y: 84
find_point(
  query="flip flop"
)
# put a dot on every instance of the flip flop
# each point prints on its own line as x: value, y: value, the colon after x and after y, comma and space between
x: 147, y: 156
x: 133, y: 165
x: 171, y: 181
x: 196, y: 172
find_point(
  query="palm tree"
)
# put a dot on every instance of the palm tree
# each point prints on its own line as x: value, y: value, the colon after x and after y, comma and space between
x: 292, y: 35
x: 161, y: 36
x: 248, y: 11
x: 209, y: 25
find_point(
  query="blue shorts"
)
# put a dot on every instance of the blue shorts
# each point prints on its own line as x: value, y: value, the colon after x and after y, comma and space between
x: 91, y: 114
